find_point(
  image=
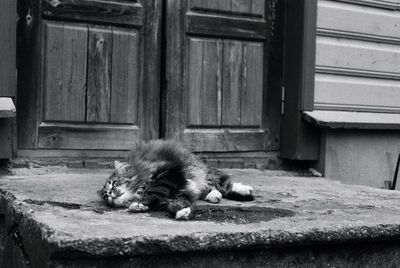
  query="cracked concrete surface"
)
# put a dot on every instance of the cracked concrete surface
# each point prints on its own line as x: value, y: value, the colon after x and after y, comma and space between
x: 59, y: 215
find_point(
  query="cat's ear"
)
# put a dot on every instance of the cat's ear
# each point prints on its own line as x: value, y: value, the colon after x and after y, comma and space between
x: 120, y: 167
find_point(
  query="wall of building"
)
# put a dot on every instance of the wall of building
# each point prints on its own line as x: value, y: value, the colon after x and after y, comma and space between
x: 358, y: 56
x: 358, y: 69
x: 359, y: 157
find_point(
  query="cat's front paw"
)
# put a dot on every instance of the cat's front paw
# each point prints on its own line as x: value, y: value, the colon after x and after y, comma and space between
x: 138, y: 207
x: 214, y: 196
x: 183, y: 214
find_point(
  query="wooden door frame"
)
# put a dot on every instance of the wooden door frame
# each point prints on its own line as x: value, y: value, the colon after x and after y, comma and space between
x: 299, y: 140
x: 30, y: 57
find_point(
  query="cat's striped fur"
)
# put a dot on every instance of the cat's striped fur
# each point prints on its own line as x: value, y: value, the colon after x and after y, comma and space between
x: 163, y: 175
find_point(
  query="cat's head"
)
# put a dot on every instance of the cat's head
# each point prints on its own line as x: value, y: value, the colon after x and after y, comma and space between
x: 119, y: 190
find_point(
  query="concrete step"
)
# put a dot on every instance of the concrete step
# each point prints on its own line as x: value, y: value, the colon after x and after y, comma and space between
x: 54, y: 218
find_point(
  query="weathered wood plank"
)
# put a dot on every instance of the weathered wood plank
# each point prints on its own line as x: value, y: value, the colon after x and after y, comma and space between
x: 252, y: 84
x: 96, y: 11
x: 57, y: 153
x: 74, y: 136
x: 214, y: 140
x: 241, y: 6
x: 258, y: 7
x: 195, y: 80
x: 176, y: 98
x: 232, y: 83
x: 225, y: 5
x: 74, y: 73
x: 53, y: 70
x: 151, y: 58
x: 205, y: 24
x: 125, y: 80
x: 99, y: 74
x: 211, y: 81
x: 8, y: 27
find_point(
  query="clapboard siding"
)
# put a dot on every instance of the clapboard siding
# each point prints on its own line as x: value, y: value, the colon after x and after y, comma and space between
x: 354, y: 21
x: 357, y: 57
x: 354, y: 93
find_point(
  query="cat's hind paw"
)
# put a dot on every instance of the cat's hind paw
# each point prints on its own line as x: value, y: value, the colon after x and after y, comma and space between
x: 138, y: 207
x: 183, y: 214
x: 242, y: 189
x: 214, y: 196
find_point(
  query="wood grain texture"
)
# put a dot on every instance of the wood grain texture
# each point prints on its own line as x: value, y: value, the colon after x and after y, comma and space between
x: 211, y: 81
x: 195, y: 89
x: 258, y: 7
x: 204, y: 24
x: 359, y: 22
x: 151, y: 58
x: 243, y: 7
x: 212, y: 140
x: 53, y: 71
x: 73, y: 136
x: 125, y: 76
x: 74, y: 73
x: 252, y: 84
x: 205, y: 82
x: 232, y: 85
x: 8, y: 26
x: 99, y: 74
x: 176, y: 98
x: 79, y: 153
x: 205, y: 75
x: 121, y: 13
x: 65, y: 72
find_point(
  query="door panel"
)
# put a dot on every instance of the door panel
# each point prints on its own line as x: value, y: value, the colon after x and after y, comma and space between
x: 98, y: 74
x: 65, y: 72
x: 216, y: 73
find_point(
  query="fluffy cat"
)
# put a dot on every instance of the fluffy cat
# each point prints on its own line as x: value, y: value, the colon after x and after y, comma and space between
x: 163, y: 175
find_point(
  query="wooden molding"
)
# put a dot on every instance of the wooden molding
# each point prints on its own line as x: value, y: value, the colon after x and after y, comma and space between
x: 131, y: 14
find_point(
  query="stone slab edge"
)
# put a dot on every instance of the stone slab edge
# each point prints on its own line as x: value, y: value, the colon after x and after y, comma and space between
x: 41, y: 243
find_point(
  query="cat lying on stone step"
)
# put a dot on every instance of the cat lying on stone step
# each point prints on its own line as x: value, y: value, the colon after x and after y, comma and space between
x: 163, y: 175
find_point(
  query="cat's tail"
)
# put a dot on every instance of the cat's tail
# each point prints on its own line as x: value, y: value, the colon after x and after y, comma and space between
x: 231, y: 189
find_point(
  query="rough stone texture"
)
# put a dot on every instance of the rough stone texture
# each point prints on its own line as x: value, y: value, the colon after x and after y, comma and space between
x: 56, y: 219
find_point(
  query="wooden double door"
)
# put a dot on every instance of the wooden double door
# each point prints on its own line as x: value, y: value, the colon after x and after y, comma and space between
x: 92, y: 74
